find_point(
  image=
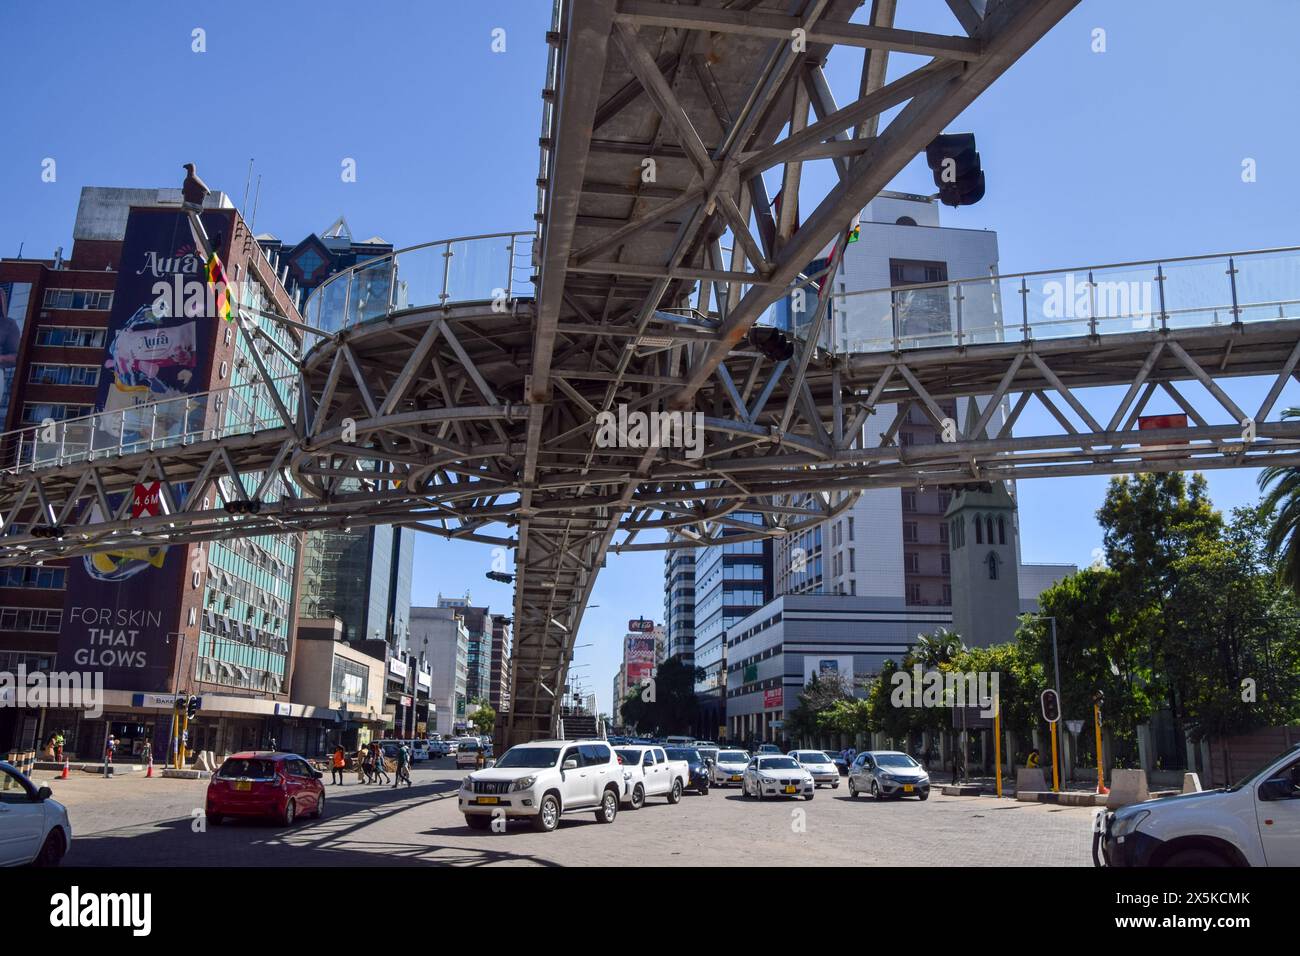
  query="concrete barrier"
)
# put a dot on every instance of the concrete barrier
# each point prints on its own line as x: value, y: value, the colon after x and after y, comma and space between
x: 1127, y: 786
x: 1031, y: 781
x: 1192, y: 783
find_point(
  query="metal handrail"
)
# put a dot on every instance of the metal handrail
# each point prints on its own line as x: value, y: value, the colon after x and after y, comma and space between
x: 996, y: 277
x: 516, y: 238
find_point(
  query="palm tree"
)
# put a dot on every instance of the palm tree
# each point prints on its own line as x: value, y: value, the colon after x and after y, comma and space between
x: 941, y: 647
x: 1281, y: 487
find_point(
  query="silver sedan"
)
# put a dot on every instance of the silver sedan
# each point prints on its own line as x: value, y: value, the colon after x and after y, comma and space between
x: 820, y: 765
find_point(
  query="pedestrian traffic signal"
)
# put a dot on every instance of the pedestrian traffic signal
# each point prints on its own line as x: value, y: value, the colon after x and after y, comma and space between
x: 1051, y: 706
x: 955, y: 165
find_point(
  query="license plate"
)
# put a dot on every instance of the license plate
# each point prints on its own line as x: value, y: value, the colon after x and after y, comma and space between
x: 243, y: 785
x: 484, y: 801
x: 791, y: 789
x: 735, y: 779
x: 908, y: 788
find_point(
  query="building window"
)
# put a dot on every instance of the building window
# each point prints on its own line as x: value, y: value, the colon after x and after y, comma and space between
x: 947, y: 594
x: 943, y: 533
x: 909, y: 501
x: 945, y: 562
x: 992, y: 560
x: 78, y: 299
x: 979, y: 531
x: 911, y: 562
x: 45, y: 374
x: 33, y: 576
x: 35, y: 619
x: 914, y: 594
x: 70, y: 336
x: 1002, y: 530
x: 909, y: 531
x: 36, y: 412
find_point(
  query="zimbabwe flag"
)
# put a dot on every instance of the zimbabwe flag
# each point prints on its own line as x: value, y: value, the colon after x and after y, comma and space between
x: 217, y: 278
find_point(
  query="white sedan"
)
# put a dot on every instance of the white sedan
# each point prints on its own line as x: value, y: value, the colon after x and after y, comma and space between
x: 34, y: 827
x: 820, y: 765
x: 729, y: 767
x: 774, y: 775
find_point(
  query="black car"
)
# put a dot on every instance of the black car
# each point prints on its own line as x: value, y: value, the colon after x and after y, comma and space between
x: 700, y: 768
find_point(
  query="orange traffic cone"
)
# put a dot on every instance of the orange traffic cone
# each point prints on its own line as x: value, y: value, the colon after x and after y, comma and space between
x: 64, y: 774
x: 148, y: 768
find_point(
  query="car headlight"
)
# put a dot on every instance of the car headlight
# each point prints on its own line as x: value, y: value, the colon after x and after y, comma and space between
x: 523, y: 783
x: 1125, y: 825
x: 467, y: 783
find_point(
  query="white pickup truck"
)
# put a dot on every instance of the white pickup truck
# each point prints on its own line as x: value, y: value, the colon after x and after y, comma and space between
x: 647, y: 772
x: 1253, y: 823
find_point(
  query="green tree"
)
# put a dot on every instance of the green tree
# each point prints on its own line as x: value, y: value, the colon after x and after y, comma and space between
x: 485, y: 718
x: 1237, y: 631
x: 1149, y: 521
x: 1281, y: 487
x: 805, y: 721
x: 666, y: 703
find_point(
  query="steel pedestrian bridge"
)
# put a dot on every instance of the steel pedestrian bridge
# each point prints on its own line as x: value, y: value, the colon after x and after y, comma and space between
x: 458, y: 387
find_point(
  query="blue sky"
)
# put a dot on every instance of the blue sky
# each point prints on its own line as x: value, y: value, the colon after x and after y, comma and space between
x: 1134, y: 153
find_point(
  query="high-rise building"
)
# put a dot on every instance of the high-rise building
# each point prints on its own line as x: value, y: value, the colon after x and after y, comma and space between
x: 499, y: 676
x: 214, y: 620
x: 362, y: 576
x: 307, y: 264
x: 679, y: 603
x: 478, y: 656
x: 732, y: 579
x: 441, y: 635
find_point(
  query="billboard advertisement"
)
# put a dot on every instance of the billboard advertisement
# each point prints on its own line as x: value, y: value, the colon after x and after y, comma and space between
x: 827, y: 666
x: 640, y: 625
x: 122, y: 608
x: 773, y: 698
x: 639, y: 658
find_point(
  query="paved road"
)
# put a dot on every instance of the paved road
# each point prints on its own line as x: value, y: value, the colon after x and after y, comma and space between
x: 130, y: 821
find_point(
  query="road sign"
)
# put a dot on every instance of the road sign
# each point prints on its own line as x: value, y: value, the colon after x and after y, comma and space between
x: 147, y: 500
x: 1051, y: 702
x: 1076, y: 726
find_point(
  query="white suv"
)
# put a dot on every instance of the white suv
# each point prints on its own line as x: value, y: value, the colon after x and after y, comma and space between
x: 541, y: 780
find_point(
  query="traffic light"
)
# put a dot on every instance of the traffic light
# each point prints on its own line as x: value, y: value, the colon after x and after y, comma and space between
x: 1051, y: 706
x: 955, y: 165
x: 501, y: 577
x: 192, y: 707
x: 773, y: 343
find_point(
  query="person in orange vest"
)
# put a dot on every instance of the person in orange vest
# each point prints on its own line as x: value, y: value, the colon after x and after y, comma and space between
x: 338, y: 764
x: 1032, y: 762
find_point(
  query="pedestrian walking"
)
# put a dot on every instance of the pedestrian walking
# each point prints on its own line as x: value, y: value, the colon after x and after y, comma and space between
x: 339, y: 762
x: 110, y: 749
x: 403, y: 766
x: 381, y: 773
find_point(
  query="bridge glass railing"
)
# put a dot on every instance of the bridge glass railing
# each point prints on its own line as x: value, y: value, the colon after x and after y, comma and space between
x: 472, y: 269
x: 148, y: 426
x: 1099, y: 300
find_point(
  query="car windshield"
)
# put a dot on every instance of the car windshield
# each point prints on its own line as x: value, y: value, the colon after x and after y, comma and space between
x: 733, y: 756
x: 469, y: 745
x: 778, y: 763
x: 628, y: 756
x: 529, y: 758
x: 244, y: 767
x: 682, y: 753
x: 813, y: 757
x: 1259, y: 771
x: 896, y: 760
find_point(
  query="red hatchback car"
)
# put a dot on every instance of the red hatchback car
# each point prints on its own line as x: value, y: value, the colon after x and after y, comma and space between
x: 265, y: 784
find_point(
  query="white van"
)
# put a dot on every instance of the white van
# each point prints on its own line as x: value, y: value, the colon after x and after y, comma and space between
x: 467, y: 752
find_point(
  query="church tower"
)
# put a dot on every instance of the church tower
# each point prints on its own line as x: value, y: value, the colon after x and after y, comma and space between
x: 983, y: 555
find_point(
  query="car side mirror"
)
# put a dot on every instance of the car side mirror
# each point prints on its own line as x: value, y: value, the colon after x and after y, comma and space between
x: 569, y: 764
x: 1279, y: 788
x: 44, y: 793
x: 317, y: 774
